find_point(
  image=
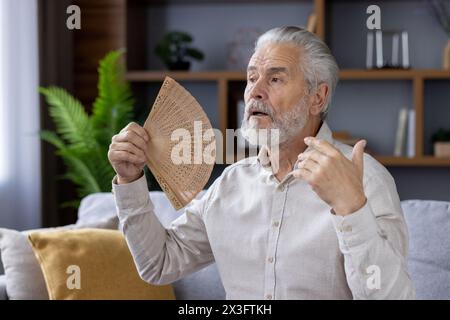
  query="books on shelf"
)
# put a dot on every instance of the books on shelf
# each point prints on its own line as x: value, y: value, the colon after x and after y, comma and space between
x: 401, y: 132
x: 405, y: 136
x: 411, y: 138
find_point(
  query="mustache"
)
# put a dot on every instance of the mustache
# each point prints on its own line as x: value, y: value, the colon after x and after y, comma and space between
x: 257, y: 106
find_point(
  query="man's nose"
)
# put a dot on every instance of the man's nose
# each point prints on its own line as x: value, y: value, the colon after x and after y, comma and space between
x: 258, y: 92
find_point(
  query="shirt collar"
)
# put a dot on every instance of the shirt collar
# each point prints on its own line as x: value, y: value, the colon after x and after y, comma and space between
x: 324, y: 133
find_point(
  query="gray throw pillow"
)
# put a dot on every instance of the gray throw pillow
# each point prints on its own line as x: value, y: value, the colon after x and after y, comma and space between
x: 97, y: 207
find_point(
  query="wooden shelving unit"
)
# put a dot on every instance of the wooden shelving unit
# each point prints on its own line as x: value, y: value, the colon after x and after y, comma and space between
x: 412, y: 74
x: 350, y: 74
x: 225, y: 79
x: 424, y: 161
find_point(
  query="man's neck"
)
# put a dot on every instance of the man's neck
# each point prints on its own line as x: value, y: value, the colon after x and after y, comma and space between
x: 288, y: 151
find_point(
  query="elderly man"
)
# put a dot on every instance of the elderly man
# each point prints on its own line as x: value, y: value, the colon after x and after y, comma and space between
x: 326, y: 224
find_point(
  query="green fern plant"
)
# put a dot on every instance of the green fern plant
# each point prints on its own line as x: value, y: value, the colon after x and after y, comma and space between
x: 82, y: 140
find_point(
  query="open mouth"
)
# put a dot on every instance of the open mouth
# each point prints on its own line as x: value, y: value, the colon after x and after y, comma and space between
x: 258, y: 114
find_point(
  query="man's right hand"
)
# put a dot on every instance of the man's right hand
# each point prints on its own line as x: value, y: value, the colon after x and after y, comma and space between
x: 128, y: 153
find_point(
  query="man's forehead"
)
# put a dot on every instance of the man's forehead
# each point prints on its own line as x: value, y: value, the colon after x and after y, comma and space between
x: 275, y: 55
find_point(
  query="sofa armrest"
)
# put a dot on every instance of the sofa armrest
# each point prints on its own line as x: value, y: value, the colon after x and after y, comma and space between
x: 3, y: 295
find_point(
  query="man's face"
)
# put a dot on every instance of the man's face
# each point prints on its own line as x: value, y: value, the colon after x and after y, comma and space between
x: 275, y: 93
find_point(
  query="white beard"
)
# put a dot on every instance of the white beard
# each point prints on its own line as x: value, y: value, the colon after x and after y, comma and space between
x: 282, y: 129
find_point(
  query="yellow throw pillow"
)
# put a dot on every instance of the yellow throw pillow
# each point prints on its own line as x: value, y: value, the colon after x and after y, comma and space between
x: 91, y: 264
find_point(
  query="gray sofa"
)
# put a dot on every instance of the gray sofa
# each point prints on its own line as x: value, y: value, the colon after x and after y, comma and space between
x: 428, y: 262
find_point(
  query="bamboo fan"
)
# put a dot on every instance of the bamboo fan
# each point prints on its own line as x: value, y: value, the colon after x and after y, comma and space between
x: 174, y: 109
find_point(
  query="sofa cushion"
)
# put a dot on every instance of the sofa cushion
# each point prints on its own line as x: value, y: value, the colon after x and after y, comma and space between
x: 429, y: 243
x: 96, y: 207
x: 91, y: 264
x: 23, y: 275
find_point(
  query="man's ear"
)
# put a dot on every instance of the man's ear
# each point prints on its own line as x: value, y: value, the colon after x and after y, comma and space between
x: 318, y: 98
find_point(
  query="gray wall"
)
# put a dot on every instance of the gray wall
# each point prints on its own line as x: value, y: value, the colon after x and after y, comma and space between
x: 215, y: 26
x: 367, y: 109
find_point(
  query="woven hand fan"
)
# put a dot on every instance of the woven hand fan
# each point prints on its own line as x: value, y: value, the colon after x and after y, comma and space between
x: 175, y: 108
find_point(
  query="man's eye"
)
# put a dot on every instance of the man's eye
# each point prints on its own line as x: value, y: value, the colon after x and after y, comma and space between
x: 275, y: 80
x: 251, y: 80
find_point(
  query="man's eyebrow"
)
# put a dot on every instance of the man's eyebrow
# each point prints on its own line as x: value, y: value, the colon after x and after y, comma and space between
x: 274, y: 70
x: 271, y: 70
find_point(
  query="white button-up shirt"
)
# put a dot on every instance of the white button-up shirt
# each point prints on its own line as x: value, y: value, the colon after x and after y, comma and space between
x: 275, y: 240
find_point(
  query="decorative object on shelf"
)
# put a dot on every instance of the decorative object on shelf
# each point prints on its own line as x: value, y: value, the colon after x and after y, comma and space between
x: 82, y: 140
x: 387, y: 44
x: 441, y: 143
x: 440, y: 13
x: 240, y: 49
x: 174, y: 50
x: 311, y: 25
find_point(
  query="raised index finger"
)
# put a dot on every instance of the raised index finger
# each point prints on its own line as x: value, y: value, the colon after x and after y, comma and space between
x: 321, y: 145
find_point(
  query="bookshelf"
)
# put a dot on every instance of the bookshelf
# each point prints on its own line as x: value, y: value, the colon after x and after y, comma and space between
x: 229, y: 83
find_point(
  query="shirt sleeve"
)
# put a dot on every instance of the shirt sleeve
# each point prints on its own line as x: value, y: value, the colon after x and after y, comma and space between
x: 161, y: 255
x: 374, y: 242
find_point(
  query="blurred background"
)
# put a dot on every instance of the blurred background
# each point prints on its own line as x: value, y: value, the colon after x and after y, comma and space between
x: 401, y: 107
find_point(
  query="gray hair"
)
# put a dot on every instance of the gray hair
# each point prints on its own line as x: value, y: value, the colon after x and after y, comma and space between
x: 317, y: 64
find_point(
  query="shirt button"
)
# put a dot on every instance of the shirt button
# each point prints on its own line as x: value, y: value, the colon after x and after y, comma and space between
x: 268, y: 297
x: 270, y: 259
x: 276, y: 224
x: 348, y: 229
x: 343, y: 229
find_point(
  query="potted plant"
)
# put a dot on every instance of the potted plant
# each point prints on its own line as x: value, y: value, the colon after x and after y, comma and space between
x: 441, y: 143
x: 174, y: 50
x: 82, y: 140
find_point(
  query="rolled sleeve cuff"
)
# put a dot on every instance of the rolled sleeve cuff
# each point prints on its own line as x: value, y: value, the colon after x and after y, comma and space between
x: 355, y: 229
x: 131, y: 196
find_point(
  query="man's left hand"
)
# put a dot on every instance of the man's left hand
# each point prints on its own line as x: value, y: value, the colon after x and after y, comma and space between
x: 336, y: 180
